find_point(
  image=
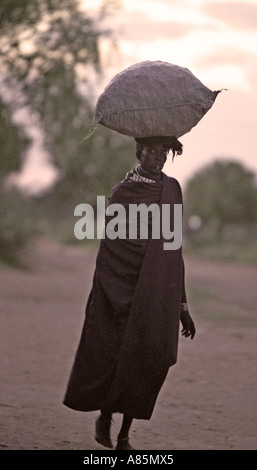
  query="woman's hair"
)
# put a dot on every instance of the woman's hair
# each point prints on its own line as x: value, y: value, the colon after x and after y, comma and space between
x: 169, y: 142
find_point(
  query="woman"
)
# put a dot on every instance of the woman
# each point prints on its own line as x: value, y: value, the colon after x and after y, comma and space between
x: 130, y: 335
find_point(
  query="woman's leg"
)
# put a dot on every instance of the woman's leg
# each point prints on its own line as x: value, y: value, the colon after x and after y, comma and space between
x: 123, y: 436
x: 102, y: 429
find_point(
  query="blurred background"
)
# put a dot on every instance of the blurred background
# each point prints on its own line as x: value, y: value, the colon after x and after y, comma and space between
x: 57, y: 57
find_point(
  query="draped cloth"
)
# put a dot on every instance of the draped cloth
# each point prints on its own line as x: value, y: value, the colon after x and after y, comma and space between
x: 130, y: 334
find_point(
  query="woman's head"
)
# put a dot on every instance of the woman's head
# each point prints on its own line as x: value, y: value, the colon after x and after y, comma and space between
x: 152, y: 159
x: 152, y: 152
x: 168, y: 142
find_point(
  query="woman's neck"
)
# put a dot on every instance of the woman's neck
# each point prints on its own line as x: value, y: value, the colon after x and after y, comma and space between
x: 146, y: 173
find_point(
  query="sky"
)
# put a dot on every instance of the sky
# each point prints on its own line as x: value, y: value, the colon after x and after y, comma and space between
x: 217, y: 41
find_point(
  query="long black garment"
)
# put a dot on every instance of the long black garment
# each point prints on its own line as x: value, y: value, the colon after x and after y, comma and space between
x: 130, y: 334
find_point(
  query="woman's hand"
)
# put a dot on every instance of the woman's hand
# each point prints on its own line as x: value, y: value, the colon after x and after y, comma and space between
x: 188, y: 325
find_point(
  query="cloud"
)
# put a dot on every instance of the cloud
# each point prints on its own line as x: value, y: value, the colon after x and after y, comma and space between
x: 235, y: 68
x: 149, y: 30
x: 139, y: 26
x: 225, y: 56
x: 238, y: 15
x: 252, y: 77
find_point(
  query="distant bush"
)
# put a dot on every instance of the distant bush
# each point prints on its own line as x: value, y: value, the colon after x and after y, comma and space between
x: 220, y: 212
x: 221, y: 194
x: 16, y: 227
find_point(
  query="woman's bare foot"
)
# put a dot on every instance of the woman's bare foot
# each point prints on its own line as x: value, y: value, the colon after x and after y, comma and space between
x: 123, y: 444
x: 102, y: 432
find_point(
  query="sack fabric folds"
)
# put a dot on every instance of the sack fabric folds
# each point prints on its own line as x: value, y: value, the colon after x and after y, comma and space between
x: 153, y: 98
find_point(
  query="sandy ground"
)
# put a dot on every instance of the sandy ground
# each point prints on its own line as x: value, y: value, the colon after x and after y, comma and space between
x: 208, y: 400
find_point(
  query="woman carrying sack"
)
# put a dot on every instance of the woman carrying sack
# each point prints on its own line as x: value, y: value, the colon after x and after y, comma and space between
x: 137, y: 301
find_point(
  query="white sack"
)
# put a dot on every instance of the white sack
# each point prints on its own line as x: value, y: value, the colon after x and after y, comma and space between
x: 153, y: 98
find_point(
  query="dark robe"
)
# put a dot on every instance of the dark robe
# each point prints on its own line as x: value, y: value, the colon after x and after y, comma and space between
x: 130, y: 334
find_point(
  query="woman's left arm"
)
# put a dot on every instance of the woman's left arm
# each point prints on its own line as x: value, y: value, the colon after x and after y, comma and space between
x: 185, y: 318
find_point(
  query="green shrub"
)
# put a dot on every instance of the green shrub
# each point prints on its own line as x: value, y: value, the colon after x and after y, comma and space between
x: 16, y: 226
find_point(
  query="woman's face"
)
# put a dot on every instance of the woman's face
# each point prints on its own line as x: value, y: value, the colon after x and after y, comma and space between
x: 153, y: 159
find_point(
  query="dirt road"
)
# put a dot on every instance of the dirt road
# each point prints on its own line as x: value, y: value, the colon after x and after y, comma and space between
x: 208, y: 400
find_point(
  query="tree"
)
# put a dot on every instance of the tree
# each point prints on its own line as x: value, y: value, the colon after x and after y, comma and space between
x: 49, y: 59
x: 15, y: 227
x: 222, y: 193
x: 43, y: 44
x: 49, y: 53
x: 12, y: 144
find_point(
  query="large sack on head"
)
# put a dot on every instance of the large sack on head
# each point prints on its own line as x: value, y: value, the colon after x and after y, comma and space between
x: 153, y: 98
